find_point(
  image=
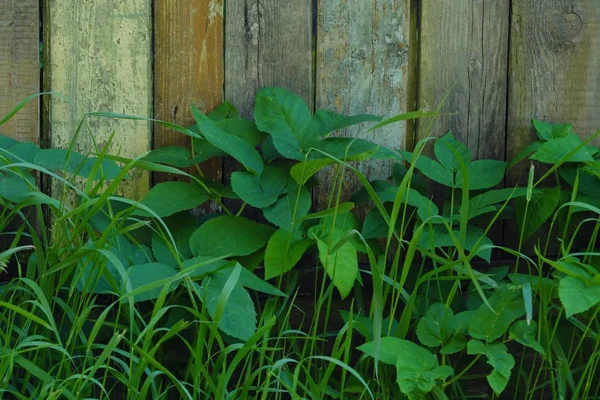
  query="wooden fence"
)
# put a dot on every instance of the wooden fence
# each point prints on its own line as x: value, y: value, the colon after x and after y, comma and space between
x: 503, y: 62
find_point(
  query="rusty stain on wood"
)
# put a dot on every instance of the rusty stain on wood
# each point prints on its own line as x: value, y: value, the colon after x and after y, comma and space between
x: 362, y: 66
x: 20, y: 67
x: 188, y: 62
x: 98, y: 53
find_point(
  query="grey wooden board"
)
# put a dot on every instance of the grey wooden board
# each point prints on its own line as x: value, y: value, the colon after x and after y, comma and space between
x: 363, y: 56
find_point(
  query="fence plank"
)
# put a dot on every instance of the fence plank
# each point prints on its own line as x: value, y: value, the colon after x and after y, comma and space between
x: 188, y: 68
x: 98, y: 53
x: 19, y: 66
x: 554, y: 64
x: 363, y: 59
x: 267, y: 43
x: 464, y: 48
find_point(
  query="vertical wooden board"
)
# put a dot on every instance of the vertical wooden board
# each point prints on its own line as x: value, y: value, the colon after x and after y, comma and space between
x: 554, y: 71
x: 188, y: 69
x: 268, y: 43
x: 99, y: 55
x: 463, y: 53
x: 363, y: 66
x: 20, y: 67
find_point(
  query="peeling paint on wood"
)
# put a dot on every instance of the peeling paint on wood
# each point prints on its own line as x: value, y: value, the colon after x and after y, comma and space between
x: 99, y: 55
x: 188, y: 62
x: 362, y: 66
x: 19, y: 67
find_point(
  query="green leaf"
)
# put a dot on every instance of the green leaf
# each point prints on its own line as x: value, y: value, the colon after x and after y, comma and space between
x: 243, y: 129
x: 417, y: 370
x: 283, y: 252
x: 556, y: 150
x: 351, y: 149
x: 25, y: 151
x: 250, y: 281
x: 287, y: 119
x: 491, y: 197
x: 229, y: 235
x: 375, y: 226
x: 456, y: 344
x: 525, y: 334
x: 342, y: 264
x: 547, y: 131
x: 526, y: 152
x: 451, y: 153
x: 440, y: 237
x: 225, y: 110
x: 236, y: 147
x: 7, y: 142
x: 482, y: 174
x: 489, y: 325
x: 541, y: 207
x: 500, y: 360
x: 437, y: 326
x: 430, y: 168
x: 290, y: 208
x: 588, y: 184
x: 168, y: 198
x: 260, y: 191
x: 144, y: 274
x: 578, y: 296
x: 303, y: 171
x: 176, y: 156
x: 239, y: 315
x: 181, y: 226
x: 16, y: 188
x: 330, y: 121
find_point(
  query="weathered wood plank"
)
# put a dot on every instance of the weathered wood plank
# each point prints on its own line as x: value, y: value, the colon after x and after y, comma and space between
x: 188, y: 68
x: 464, y: 49
x: 98, y: 53
x: 20, y: 67
x: 268, y: 43
x: 554, y: 70
x: 363, y: 66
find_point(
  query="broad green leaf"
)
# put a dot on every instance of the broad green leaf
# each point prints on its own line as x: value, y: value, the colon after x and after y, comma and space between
x: 7, y: 142
x: 342, y: 208
x: 25, y: 151
x: 526, y: 152
x: 417, y: 181
x: 168, y: 198
x: 482, y: 174
x: 489, y: 325
x: 451, y: 153
x: 16, y: 188
x: 74, y: 163
x: 268, y: 150
x: 351, y: 149
x: 291, y: 208
x: 239, y: 315
x: 181, y: 226
x: 588, y: 184
x: 236, y: 147
x: 456, y: 344
x: 176, y: 156
x: 330, y: 121
x: 437, y: 326
x: 260, y: 191
x: 342, y: 264
x: 223, y: 111
x: 144, y: 274
x: 541, y: 207
x: 243, y: 129
x: 303, y: 171
x: 525, y: 334
x: 440, y: 237
x: 364, y: 325
x: 578, y: 296
x: 556, y: 150
x: 250, y: 281
x: 283, y: 252
x: 430, y: 168
x: 547, y: 131
x: 500, y: 360
x: 391, y: 349
x: 375, y: 226
x: 229, y: 236
x: 480, y: 202
x: 287, y: 119
x: 203, y: 150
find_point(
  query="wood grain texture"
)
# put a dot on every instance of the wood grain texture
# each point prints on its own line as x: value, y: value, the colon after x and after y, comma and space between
x: 188, y: 68
x: 98, y: 53
x: 363, y: 66
x: 554, y: 70
x: 20, y: 67
x: 268, y: 43
x: 464, y: 49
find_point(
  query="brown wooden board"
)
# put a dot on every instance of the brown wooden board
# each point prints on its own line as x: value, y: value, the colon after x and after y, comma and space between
x: 188, y: 69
